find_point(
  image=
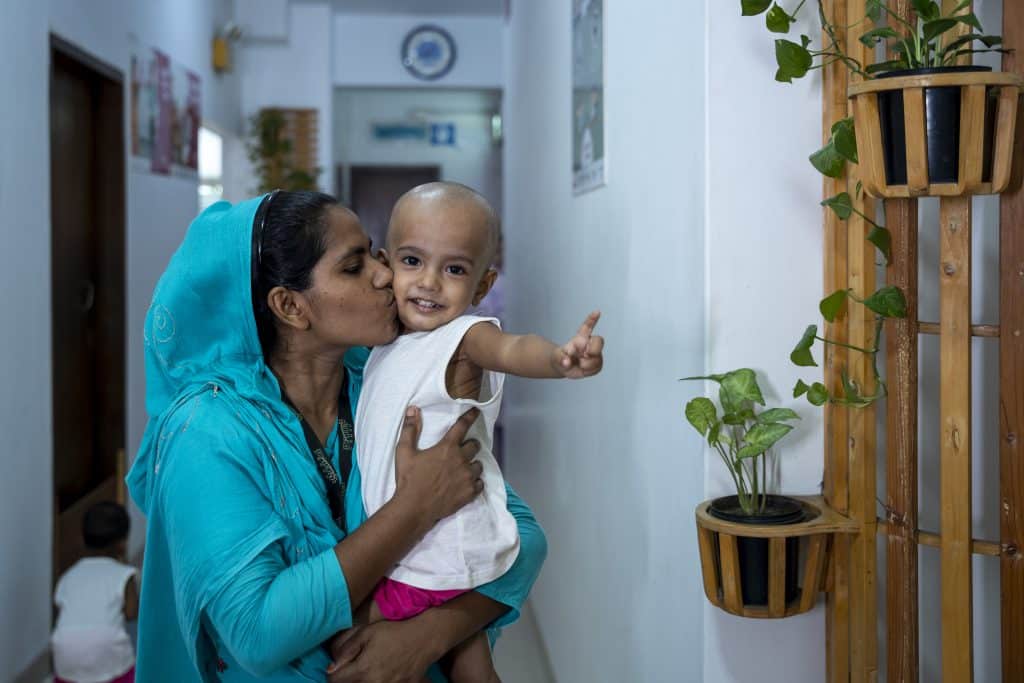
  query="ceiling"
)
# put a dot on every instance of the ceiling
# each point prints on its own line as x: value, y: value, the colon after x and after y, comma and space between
x: 494, y: 8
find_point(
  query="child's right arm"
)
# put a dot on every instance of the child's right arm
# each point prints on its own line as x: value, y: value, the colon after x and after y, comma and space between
x: 530, y: 355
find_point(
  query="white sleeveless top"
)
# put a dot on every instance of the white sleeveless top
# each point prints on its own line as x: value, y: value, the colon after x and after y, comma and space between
x: 478, y: 543
x: 90, y: 643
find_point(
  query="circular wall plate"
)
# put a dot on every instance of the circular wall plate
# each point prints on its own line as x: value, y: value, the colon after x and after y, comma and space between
x: 428, y: 52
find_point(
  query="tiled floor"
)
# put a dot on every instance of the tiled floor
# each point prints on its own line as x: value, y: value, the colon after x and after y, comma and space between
x: 520, y: 656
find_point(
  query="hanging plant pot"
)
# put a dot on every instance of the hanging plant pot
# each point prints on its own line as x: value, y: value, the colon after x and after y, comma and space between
x: 753, y: 565
x: 936, y: 132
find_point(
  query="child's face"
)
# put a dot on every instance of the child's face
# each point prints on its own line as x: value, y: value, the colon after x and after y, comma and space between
x: 438, y: 251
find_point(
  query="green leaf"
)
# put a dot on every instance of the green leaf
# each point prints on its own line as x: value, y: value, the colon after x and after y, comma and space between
x: 845, y: 137
x: 888, y: 302
x: 762, y: 437
x: 828, y: 161
x: 817, y: 394
x: 935, y: 28
x: 715, y: 434
x: 989, y: 41
x: 701, y: 414
x: 801, y: 354
x: 971, y: 19
x: 713, y: 378
x: 926, y: 9
x: 832, y: 305
x: 794, y: 60
x: 777, y: 415
x: 777, y: 20
x: 841, y: 204
x: 754, y: 7
x: 882, y: 67
x: 733, y: 419
x: 741, y: 386
x: 852, y: 397
x: 874, y: 10
x: 882, y: 239
x: 872, y: 37
x: 800, y: 389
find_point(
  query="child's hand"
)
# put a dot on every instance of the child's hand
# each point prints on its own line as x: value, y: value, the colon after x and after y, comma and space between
x: 582, y: 355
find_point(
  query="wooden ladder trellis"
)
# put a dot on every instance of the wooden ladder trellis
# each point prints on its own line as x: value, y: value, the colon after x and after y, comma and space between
x: 850, y: 448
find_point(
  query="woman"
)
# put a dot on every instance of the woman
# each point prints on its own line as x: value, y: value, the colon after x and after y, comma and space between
x: 257, y: 547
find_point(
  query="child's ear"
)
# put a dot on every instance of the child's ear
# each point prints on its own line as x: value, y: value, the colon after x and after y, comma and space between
x: 382, y: 256
x: 486, y: 282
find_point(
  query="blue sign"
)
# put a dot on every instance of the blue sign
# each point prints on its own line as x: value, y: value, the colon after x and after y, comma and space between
x: 442, y: 134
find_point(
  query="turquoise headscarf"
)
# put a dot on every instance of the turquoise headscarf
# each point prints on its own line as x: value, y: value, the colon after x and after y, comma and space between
x: 215, y: 409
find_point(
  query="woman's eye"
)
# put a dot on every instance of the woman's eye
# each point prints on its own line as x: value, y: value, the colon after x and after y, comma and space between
x: 353, y: 268
x: 410, y: 261
x: 456, y: 270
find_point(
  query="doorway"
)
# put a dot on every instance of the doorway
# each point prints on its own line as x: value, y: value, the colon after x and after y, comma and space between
x: 375, y: 189
x: 87, y: 258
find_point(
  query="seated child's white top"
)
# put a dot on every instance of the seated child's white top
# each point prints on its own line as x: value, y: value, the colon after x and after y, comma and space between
x: 478, y: 543
x: 90, y: 642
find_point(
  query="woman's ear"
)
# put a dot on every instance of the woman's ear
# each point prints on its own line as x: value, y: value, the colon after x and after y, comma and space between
x: 289, y: 307
x: 486, y: 282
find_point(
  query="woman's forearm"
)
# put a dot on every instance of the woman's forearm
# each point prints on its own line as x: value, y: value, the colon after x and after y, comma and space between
x: 378, y: 544
x: 448, y: 625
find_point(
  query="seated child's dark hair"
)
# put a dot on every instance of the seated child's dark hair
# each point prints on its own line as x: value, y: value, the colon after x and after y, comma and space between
x: 104, y: 525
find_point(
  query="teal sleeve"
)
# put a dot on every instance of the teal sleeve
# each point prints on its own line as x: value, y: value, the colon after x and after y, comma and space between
x: 272, y: 613
x: 513, y: 587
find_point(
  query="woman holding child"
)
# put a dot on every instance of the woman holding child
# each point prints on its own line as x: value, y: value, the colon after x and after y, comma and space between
x: 258, y: 550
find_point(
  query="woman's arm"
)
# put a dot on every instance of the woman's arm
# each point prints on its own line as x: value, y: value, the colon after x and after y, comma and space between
x: 388, y: 651
x: 266, y: 611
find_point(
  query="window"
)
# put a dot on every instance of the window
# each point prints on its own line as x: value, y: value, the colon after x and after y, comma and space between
x: 211, y: 167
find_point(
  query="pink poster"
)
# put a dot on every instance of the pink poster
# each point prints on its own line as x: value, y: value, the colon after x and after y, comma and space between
x: 166, y: 112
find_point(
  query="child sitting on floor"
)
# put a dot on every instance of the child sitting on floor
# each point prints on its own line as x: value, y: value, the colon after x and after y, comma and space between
x: 96, y: 596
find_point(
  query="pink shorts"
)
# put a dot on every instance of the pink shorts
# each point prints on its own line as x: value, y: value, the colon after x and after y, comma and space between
x: 127, y: 677
x: 397, y: 601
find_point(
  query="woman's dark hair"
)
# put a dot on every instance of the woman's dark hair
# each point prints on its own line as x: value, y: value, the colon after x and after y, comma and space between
x: 288, y: 238
x: 105, y: 524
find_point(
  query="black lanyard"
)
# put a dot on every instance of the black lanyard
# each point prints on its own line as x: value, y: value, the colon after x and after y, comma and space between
x: 334, y: 484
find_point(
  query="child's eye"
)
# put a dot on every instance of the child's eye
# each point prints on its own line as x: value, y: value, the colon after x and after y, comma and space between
x: 456, y: 270
x: 410, y: 261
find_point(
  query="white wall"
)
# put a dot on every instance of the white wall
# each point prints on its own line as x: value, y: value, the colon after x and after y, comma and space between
x: 292, y: 73
x: 609, y: 465
x: 474, y: 160
x: 764, y: 265
x: 158, y: 211
x: 367, y: 50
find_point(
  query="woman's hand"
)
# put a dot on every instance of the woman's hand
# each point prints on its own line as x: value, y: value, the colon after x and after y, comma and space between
x: 443, y: 478
x: 383, y: 652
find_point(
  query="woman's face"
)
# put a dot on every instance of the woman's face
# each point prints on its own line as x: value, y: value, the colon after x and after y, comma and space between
x: 350, y: 300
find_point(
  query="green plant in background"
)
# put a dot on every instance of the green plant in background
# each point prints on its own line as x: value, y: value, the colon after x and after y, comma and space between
x: 741, y: 436
x: 915, y: 46
x: 270, y: 151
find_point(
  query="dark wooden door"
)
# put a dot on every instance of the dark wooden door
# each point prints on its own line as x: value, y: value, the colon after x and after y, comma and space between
x: 375, y: 189
x: 87, y: 280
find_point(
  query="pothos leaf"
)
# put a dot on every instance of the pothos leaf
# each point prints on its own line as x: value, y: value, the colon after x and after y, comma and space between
x: 794, y: 60
x: 817, y: 394
x: 841, y: 204
x: 888, y: 302
x: 801, y: 354
x: 832, y: 305
x: 754, y: 7
x: 882, y: 239
x: 777, y: 20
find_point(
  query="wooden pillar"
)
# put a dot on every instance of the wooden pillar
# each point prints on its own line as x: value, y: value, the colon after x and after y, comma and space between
x: 836, y: 491
x: 1011, y: 380
x: 861, y: 443
x: 902, y: 660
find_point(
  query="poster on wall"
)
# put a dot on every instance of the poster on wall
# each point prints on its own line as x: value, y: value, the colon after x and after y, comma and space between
x: 588, y: 158
x: 165, y: 114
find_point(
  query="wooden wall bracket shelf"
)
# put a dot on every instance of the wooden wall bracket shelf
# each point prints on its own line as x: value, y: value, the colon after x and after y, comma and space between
x: 975, y: 90
x: 719, y: 559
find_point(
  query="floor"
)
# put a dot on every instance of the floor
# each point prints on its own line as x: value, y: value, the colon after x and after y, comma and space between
x: 520, y: 656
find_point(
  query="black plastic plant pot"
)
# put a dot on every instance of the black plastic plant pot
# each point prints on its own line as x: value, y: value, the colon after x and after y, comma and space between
x: 942, y: 115
x: 753, y: 552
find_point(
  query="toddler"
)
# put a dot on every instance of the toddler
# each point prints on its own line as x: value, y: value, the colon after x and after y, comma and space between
x: 95, y: 597
x: 440, y: 243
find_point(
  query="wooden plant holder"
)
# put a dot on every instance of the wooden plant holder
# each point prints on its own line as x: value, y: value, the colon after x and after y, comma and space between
x: 975, y: 88
x: 719, y: 558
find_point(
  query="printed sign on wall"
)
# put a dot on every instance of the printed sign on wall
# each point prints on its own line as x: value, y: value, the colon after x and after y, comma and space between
x: 165, y: 114
x: 588, y: 158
